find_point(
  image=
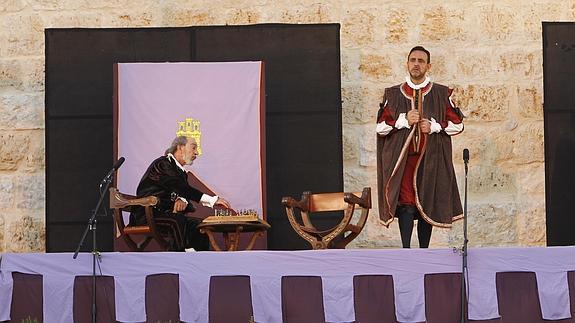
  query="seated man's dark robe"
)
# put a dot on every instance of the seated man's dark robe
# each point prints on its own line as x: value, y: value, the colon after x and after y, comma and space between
x: 166, y: 181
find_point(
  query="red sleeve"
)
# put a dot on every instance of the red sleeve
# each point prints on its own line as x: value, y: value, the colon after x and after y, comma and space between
x: 385, y: 115
x: 450, y: 114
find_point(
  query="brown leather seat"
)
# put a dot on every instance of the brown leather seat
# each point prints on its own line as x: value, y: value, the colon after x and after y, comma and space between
x: 164, y: 231
x: 328, y: 202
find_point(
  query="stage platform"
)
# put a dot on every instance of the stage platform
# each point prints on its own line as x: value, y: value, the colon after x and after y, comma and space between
x: 354, y: 285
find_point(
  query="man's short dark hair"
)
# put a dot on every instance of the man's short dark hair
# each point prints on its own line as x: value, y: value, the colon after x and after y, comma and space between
x: 420, y: 48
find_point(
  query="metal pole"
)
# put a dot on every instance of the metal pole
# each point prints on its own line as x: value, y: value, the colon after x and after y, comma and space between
x: 94, y: 255
x: 464, y: 253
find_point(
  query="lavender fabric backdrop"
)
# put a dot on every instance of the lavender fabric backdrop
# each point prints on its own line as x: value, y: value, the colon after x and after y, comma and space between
x: 265, y: 268
x: 224, y: 97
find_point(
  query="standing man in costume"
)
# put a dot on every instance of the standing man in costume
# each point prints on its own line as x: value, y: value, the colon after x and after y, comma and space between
x: 167, y: 179
x: 415, y: 176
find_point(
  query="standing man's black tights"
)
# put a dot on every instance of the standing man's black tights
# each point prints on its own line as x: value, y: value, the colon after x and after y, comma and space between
x: 406, y: 215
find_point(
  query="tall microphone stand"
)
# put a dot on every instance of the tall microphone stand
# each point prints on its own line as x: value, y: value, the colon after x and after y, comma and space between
x: 92, y: 227
x: 465, y: 241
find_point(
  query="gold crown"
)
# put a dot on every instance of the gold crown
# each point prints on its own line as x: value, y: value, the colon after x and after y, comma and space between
x: 191, y: 128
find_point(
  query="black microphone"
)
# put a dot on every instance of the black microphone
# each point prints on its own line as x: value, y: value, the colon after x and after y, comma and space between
x: 120, y: 161
x: 465, y: 159
x: 117, y: 165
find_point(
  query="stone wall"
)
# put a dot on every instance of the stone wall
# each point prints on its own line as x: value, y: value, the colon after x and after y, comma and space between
x: 490, y: 51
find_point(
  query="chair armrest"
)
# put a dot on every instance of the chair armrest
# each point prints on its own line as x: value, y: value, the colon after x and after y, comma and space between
x: 289, y: 201
x: 364, y: 201
x: 120, y: 201
x: 302, y: 205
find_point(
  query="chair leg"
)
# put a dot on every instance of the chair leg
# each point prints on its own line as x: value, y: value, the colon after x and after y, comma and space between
x: 341, y: 244
x: 131, y: 243
x: 144, y: 244
x: 318, y: 244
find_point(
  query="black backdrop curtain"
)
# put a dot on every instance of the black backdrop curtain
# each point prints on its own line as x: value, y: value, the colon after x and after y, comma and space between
x: 559, y: 116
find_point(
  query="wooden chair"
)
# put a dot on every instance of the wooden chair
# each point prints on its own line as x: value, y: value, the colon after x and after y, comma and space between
x: 326, y: 202
x: 138, y: 237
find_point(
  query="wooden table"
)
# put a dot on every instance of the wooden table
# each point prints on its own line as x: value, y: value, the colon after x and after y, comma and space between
x: 231, y: 231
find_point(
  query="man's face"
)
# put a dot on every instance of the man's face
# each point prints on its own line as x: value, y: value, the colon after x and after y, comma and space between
x: 190, y: 151
x: 417, y: 65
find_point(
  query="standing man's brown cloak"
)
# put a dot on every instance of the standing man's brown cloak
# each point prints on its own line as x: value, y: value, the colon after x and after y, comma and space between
x: 436, y: 193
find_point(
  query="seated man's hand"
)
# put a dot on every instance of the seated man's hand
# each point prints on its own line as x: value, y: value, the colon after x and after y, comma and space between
x: 179, y: 205
x: 223, y: 203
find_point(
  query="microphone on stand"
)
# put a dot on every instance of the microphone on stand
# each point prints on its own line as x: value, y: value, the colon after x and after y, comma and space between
x: 466, y: 158
x: 92, y: 227
x: 117, y: 165
x: 108, y: 178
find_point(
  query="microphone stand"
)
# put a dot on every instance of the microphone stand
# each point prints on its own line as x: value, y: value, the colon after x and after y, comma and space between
x: 464, y: 250
x: 92, y: 227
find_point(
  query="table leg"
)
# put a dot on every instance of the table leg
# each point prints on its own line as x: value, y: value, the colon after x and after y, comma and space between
x: 233, y: 239
x: 213, y: 241
x: 255, y: 235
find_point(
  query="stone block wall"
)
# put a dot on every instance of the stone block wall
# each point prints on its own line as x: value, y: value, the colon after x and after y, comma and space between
x: 489, y: 50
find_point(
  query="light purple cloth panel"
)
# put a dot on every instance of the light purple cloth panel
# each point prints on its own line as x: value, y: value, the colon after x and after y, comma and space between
x: 265, y: 268
x: 224, y: 97
x: 549, y: 264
